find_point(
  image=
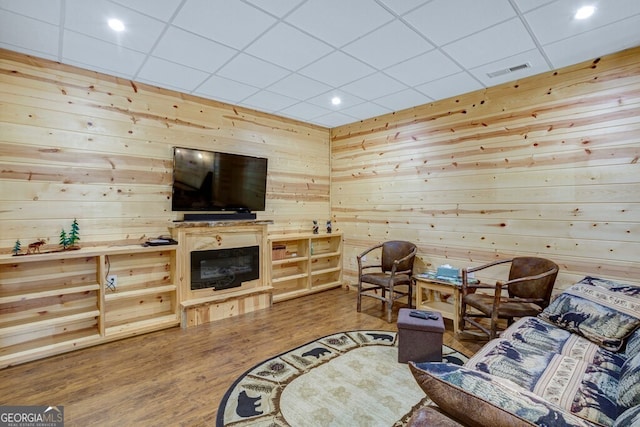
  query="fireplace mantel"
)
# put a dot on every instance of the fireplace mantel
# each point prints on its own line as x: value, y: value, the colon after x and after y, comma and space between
x: 207, y: 305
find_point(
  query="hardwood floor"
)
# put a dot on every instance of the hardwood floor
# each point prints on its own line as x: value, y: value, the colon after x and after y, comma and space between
x: 178, y: 376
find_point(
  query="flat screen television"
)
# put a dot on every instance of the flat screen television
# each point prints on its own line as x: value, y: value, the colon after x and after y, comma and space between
x: 214, y: 181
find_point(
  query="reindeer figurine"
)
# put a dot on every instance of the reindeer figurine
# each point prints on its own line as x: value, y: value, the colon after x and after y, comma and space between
x: 35, y: 247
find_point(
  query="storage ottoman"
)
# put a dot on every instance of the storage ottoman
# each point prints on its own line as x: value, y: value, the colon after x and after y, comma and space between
x: 419, y: 340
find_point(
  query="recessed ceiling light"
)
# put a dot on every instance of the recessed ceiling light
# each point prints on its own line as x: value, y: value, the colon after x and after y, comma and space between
x: 116, y: 24
x: 336, y: 100
x: 584, y: 12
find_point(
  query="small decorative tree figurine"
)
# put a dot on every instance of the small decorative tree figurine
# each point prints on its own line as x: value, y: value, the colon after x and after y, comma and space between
x: 64, y: 240
x: 17, y: 247
x: 74, y: 234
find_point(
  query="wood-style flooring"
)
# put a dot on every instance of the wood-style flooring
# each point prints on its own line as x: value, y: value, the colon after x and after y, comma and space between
x: 177, y: 377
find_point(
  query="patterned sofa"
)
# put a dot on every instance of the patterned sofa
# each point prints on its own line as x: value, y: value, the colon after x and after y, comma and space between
x: 576, y: 364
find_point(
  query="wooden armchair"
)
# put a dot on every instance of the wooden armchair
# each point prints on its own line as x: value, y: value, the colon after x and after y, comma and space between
x: 395, y: 269
x: 529, y: 289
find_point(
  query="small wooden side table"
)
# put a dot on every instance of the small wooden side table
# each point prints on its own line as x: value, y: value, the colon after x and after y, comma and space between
x: 427, y: 284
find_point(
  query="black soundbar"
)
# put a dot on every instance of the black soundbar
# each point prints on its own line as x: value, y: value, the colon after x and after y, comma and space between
x: 219, y: 217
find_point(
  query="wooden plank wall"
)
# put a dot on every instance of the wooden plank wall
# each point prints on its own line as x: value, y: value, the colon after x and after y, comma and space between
x: 544, y: 166
x: 79, y: 144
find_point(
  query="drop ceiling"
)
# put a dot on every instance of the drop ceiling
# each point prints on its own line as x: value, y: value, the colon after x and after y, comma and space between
x: 291, y: 57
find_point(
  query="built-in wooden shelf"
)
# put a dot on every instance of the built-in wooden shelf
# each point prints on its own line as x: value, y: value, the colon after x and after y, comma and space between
x: 55, y: 302
x: 304, y: 263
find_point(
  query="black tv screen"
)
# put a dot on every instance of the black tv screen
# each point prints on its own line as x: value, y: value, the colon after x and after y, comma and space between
x: 214, y: 181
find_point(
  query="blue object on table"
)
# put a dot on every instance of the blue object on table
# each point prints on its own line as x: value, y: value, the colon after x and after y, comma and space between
x: 448, y: 273
x: 457, y: 280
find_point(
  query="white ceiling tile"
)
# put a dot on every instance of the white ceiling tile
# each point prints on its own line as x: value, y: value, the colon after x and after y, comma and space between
x: 247, y: 46
x: 90, y: 18
x: 492, y: 44
x: 252, y: 71
x: 225, y: 90
x: 93, y: 68
x: 305, y: 111
x: 278, y: 8
x: 403, y: 6
x: 533, y: 58
x: 527, y: 5
x: 30, y: 52
x: 299, y: 87
x: 555, y: 21
x: 268, y: 101
x: 193, y: 51
x: 158, y: 70
x: 337, y: 69
x: 429, y: 66
x: 232, y: 23
x: 27, y: 33
x: 159, y: 9
x: 401, y: 100
x: 388, y: 45
x: 294, y: 49
x: 339, y: 22
x: 43, y: 10
x: 599, y: 42
x: 97, y: 53
x: 334, y: 119
x: 443, y: 21
x: 373, y: 86
x: 450, y: 86
x: 324, y: 100
x: 366, y: 110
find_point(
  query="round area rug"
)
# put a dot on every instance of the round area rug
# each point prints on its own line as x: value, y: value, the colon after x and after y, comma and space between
x: 345, y: 379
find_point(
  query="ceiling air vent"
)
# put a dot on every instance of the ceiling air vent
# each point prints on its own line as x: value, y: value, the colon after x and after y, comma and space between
x: 509, y: 70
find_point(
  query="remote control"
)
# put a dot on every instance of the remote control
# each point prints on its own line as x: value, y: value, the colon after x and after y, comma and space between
x: 423, y: 315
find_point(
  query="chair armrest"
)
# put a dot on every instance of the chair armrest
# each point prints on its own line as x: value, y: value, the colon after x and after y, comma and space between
x: 465, y: 277
x: 554, y: 270
x: 491, y: 264
x: 359, y: 257
x: 369, y: 250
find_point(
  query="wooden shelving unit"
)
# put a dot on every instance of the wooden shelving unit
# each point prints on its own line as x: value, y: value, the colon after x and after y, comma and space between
x: 56, y: 302
x: 305, y: 263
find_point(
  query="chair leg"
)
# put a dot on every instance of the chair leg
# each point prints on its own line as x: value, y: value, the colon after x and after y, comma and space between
x: 359, y: 298
x: 494, y: 324
x: 389, y: 303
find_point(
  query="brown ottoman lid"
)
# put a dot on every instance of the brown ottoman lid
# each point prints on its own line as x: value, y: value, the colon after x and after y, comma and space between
x: 405, y: 321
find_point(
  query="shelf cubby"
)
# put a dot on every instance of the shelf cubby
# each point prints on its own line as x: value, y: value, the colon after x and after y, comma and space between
x: 55, y: 302
x: 305, y: 263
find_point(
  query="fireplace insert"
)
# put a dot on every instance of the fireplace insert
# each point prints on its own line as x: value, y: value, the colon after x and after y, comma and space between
x: 224, y: 268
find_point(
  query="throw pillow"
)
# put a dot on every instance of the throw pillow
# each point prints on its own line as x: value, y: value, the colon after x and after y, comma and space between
x: 479, y: 399
x: 629, y: 418
x: 629, y: 384
x: 603, y: 311
x: 633, y: 344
